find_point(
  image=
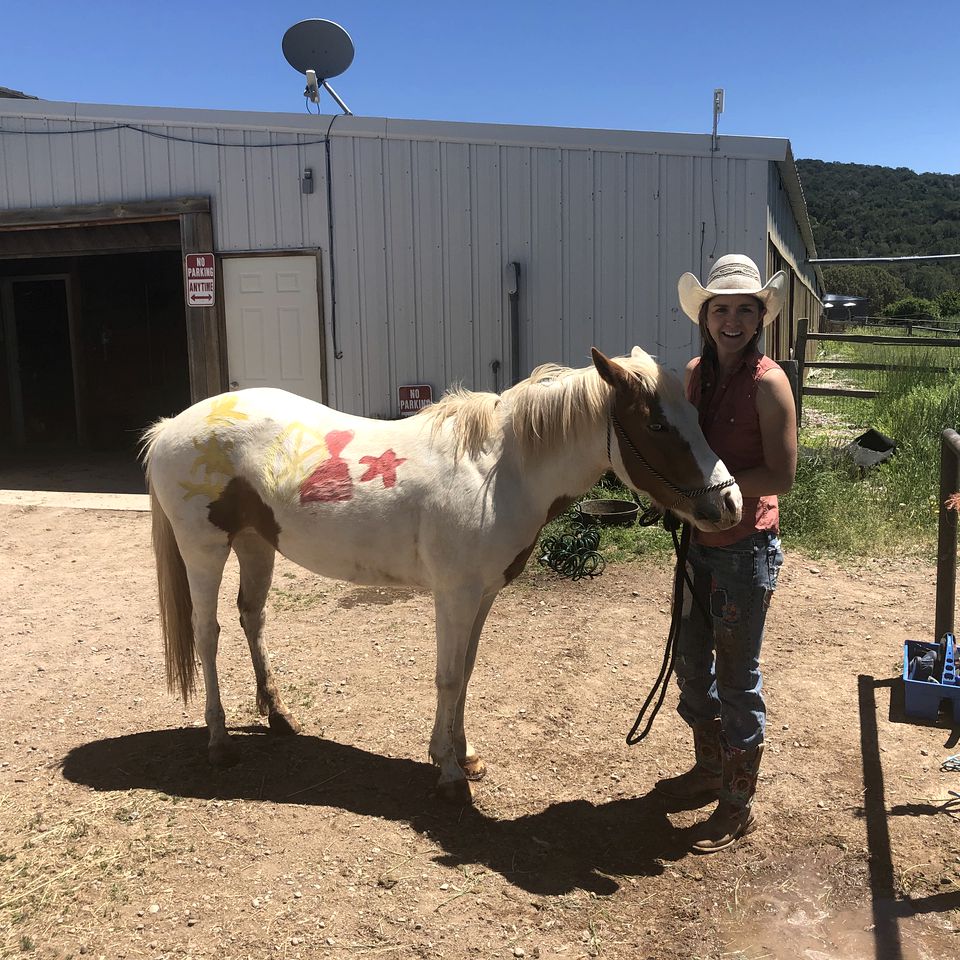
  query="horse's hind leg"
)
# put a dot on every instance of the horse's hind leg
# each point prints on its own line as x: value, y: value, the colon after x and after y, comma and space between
x: 256, y: 558
x: 468, y: 758
x: 204, y: 565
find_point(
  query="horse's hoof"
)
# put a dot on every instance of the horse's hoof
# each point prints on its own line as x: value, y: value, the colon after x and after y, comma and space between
x: 223, y: 754
x: 284, y: 724
x: 458, y: 792
x: 473, y: 768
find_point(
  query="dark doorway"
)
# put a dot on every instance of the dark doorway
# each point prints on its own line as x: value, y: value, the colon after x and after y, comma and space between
x: 93, y: 352
x: 134, y: 344
x: 39, y: 334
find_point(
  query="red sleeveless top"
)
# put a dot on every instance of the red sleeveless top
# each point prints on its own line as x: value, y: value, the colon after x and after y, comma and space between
x: 729, y: 420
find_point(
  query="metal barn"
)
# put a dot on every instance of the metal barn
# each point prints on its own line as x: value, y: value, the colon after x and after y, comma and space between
x: 352, y: 256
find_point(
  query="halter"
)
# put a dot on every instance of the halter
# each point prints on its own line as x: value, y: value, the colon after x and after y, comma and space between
x: 682, y: 494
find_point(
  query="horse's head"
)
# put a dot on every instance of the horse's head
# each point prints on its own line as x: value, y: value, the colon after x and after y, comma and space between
x: 656, y: 445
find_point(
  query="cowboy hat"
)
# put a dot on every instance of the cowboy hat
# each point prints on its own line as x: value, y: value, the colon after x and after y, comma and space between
x: 733, y: 274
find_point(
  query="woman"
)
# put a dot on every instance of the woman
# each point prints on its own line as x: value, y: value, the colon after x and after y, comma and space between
x: 748, y: 416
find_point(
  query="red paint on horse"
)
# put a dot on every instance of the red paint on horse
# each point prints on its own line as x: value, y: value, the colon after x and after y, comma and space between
x: 330, y: 482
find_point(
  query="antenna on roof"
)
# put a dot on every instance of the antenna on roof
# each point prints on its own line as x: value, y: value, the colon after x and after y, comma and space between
x: 319, y: 49
x: 717, y: 110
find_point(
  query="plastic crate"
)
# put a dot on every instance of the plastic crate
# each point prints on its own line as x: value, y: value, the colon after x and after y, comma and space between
x: 922, y: 698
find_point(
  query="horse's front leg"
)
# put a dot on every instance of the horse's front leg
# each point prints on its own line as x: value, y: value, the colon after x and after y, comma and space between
x: 470, y: 762
x: 456, y: 612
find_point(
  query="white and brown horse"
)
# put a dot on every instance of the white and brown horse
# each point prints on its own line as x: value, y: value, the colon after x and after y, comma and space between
x: 451, y: 501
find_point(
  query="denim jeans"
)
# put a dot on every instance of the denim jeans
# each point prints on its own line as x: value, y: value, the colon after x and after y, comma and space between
x: 721, y: 630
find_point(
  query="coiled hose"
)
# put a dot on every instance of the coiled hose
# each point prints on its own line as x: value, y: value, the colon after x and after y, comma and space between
x: 573, y: 555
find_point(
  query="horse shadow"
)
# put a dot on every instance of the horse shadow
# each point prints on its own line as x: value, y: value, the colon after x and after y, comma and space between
x: 565, y: 846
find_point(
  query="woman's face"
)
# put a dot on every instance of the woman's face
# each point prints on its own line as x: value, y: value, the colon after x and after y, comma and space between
x: 732, y: 320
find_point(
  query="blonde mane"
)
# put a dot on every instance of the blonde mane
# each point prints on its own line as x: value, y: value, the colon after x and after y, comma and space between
x: 552, y: 405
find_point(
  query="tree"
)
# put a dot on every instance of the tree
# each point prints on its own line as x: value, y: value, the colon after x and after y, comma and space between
x: 877, y: 284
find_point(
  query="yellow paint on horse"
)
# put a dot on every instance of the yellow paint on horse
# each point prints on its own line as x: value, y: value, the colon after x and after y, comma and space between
x: 223, y: 411
x: 213, y: 461
x: 291, y: 457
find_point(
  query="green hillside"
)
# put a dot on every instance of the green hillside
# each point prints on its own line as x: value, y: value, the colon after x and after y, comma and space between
x: 867, y: 211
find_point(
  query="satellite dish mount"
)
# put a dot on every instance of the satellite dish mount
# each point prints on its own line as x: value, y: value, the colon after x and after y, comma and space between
x: 319, y: 49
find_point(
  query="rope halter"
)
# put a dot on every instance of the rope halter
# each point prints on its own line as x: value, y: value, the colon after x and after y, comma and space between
x: 614, y: 424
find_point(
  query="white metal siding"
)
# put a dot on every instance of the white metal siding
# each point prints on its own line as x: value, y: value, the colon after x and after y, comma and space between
x: 785, y: 232
x: 426, y: 217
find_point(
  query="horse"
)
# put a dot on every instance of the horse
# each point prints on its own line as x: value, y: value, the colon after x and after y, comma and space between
x: 450, y: 500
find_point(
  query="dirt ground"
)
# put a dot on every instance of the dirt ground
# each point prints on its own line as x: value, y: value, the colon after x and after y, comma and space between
x: 118, y: 841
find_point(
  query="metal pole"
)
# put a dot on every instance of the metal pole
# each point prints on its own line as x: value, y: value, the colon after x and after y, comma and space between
x: 513, y: 292
x: 333, y: 93
x: 947, y: 533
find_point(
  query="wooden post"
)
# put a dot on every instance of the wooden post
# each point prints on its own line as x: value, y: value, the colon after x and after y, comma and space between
x: 800, y: 355
x: 947, y: 534
x: 790, y: 369
x: 206, y: 326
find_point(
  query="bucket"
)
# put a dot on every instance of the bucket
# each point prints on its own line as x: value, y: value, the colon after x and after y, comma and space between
x: 608, y: 512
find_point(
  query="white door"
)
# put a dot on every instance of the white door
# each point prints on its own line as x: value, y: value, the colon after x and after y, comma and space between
x: 273, y: 323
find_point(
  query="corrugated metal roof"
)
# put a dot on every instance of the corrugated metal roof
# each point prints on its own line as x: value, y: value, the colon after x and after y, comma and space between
x: 635, y: 141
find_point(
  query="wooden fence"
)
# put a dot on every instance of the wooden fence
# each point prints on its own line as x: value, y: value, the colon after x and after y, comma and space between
x: 910, y: 324
x: 805, y: 335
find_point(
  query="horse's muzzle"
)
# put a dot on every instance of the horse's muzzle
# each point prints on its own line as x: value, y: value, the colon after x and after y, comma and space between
x: 720, y: 510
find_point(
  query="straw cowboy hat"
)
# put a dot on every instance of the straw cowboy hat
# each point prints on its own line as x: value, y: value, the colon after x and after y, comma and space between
x: 732, y: 274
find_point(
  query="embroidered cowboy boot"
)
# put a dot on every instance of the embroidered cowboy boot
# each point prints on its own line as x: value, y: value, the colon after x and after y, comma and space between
x: 733, y: 817
x: 701, y: 783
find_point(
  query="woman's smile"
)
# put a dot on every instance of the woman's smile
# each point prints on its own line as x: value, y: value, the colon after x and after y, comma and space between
x: 732, y: 320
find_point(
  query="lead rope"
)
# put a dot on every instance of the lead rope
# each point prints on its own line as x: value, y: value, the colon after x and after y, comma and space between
x: 680, y: 576
x: 681, y: 544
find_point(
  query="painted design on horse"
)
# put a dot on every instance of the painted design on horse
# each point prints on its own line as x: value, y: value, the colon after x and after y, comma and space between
x: 383, y: 466
x: 481, y: 475
x: 213, y: 461
x: 224, y: 412
x: 330, y: 482
x: 291, y: 456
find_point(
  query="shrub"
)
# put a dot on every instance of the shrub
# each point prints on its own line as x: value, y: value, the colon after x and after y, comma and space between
x: 949, y: 303
x: 912, y: 307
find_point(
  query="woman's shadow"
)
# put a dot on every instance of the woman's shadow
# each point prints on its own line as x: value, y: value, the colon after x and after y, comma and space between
x: 567, y: 845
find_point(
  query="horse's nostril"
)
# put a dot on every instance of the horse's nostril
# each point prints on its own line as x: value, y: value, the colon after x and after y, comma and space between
x: 731, y: 502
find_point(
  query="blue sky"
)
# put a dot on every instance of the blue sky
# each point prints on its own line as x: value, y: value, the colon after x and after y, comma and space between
x: 842, y: 80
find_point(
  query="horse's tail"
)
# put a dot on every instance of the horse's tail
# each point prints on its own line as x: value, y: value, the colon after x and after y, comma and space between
x: 176, y: 605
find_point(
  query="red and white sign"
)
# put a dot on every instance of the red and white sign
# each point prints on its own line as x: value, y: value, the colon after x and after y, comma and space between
x: 201, y: 280
x: 414, y: 397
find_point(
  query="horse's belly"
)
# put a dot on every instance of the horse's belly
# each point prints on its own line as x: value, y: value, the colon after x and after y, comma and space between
x: 371, y: 557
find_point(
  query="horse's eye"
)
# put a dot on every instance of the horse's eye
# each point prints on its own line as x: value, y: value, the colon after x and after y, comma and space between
x: 656, y: 426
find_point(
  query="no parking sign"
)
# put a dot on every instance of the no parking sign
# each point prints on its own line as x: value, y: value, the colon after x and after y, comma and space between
x: 413, y: 397
x: 201, y: 279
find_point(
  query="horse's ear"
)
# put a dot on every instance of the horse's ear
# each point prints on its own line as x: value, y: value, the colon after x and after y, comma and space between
x: 609, y: 370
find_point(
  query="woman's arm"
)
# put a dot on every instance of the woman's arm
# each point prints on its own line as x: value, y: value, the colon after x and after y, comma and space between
x: 778, y: 431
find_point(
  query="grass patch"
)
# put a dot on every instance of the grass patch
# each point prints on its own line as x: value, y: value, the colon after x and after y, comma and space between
x: 891, y: 509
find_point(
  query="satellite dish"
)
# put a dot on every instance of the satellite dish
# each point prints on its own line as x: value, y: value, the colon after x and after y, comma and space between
x: 319, y: 45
